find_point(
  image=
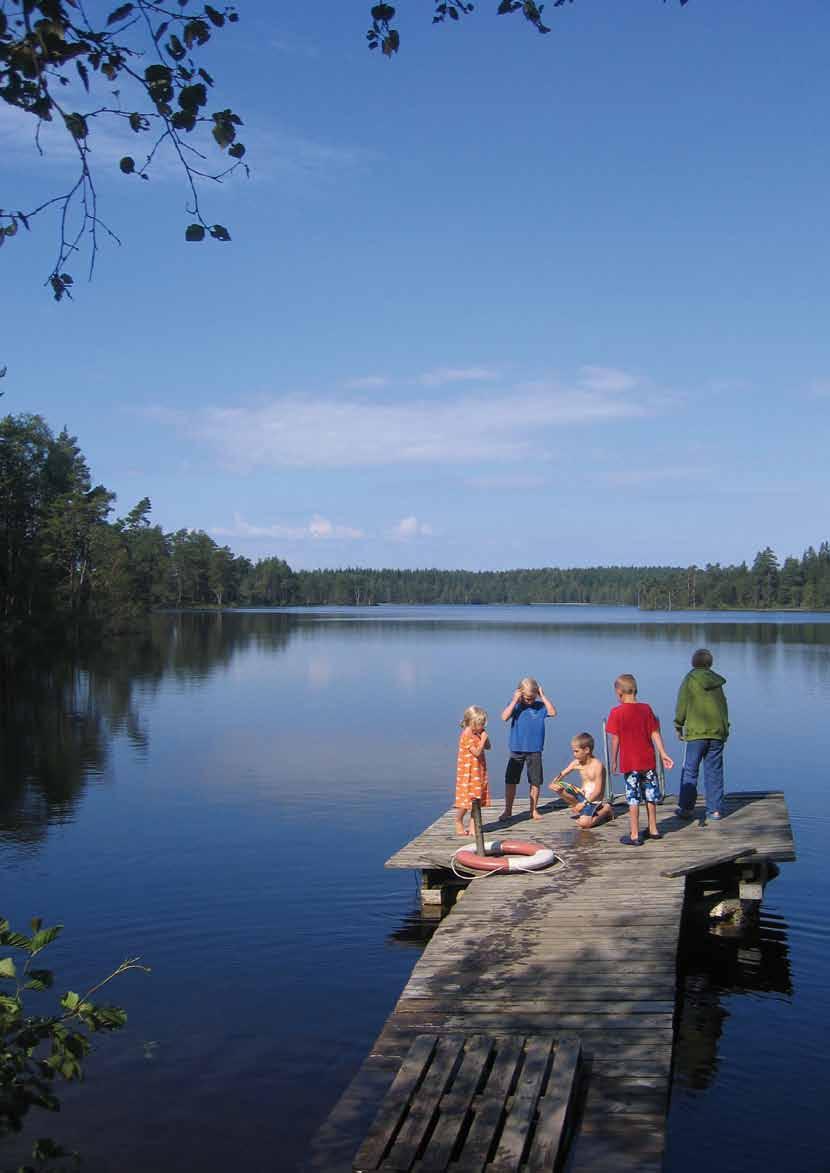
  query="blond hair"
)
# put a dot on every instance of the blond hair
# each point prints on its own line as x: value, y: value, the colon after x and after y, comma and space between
x: 474, y: 715
x: 583, y: 740
x: 528, y: 684
x: 626, y: 684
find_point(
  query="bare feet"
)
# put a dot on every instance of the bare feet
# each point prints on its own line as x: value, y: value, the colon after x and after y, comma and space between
x: 534, y: 814
x: 504, y: 815
x: 461, y: 830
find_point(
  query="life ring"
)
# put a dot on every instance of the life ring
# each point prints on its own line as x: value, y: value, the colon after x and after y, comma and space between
x: 507, y: 855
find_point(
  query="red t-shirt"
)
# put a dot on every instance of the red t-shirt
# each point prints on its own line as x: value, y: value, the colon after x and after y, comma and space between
x: 634, y: 724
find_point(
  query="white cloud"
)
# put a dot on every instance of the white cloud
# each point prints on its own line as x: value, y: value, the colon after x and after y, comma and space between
x: 410, y: 527
x: 367, y: 383
x: 307, y: 431
x: 444, y: 375
x: 652, y: 476
x: 317, y: 528
x: 607, y: 379
x: 819, y: 389
x: 519, y: 481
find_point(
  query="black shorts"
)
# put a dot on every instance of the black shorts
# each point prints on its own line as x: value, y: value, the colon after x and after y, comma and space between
x: 516, y: 763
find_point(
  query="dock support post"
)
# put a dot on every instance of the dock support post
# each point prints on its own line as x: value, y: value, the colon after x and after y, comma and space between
x: 476, y: 820
x: 753, y: 879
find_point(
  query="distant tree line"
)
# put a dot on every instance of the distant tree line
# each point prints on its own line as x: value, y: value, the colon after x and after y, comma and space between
x: 62, y: 559
x: 801, y: 583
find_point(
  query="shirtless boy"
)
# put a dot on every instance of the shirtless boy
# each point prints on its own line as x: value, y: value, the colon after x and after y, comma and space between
x: 586, y: 800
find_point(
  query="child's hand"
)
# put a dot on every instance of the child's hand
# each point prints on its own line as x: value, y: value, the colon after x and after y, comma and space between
x: 667, y: 761
x: 555, y: 784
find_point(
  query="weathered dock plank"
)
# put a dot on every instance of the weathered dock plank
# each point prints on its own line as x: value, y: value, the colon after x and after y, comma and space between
x: 584, y: 952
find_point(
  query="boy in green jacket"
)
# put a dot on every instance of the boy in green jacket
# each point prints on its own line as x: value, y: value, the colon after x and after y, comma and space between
x: 702, y: 721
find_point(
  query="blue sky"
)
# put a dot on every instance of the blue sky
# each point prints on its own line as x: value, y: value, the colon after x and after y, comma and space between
x: 507, y: 300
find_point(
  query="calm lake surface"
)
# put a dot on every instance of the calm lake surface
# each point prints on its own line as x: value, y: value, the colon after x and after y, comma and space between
x: 218, y: 795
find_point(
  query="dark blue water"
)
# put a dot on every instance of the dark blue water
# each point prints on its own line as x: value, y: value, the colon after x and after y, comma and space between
x: 219, y: 794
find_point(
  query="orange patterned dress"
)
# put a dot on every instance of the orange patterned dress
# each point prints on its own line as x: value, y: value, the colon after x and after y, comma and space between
x: 470, y: 773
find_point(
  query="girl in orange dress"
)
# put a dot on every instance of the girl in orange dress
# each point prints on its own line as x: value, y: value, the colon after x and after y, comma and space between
x: 471, y: 771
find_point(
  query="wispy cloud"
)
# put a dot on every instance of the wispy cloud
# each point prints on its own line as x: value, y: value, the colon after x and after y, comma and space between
x: 367, y: 383
x: 317, y: 528
x: 519, y: 481
x: 651, y: 476
x: 819, y: 389
x: 445, y: 375
x: 607, y: 380
x: 410, y: 527
x: 293, y: 46
x: 307, y: 431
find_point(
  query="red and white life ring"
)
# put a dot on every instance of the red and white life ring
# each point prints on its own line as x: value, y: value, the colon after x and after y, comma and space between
x: 506, y: 855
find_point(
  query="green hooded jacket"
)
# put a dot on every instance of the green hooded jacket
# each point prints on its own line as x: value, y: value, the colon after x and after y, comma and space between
x: 701, y: 706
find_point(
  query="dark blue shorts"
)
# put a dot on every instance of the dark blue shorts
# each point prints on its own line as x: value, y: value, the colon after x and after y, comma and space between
x: 516, y: 763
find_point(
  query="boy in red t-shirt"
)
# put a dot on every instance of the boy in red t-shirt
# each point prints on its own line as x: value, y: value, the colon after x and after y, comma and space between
x: 635, y: 735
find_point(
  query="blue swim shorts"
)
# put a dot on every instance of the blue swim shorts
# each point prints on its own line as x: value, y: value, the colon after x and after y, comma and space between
x: 641, y: 786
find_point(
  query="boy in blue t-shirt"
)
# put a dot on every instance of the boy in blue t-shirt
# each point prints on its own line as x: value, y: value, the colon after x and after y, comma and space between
x: 527, y: 712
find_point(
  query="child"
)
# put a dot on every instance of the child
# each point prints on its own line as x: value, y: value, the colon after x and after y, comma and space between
x: 471, y: 771
x: 702, y: 721
x: 635, y: 735
x: 586, y: 801
x: 527, y: 711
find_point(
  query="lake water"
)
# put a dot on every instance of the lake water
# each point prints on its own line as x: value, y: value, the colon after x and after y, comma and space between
x: 218, y: 795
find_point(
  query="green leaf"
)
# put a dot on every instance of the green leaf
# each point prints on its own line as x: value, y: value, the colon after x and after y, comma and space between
x: 71, y: 1001
x: 236, y: 151
x: 76, y: 125
x: 220, y: 232
x: 184, y: 120
x: 223, y: 131
x: 215, y: 17
x: 40, y: 979
x: 175, y: 48
x: 45, y: 1149
x: 16, y: 940
x: 46, y: 936
x: 7, y: 968
x: 119, y: 14
x: 194, y: 232
x: 36, y: 924
x: 127, y: 165
x: 192, y: 97
x: 159, y: 80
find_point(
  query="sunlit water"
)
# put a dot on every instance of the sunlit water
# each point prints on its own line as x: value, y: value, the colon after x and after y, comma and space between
x: 219, y: 795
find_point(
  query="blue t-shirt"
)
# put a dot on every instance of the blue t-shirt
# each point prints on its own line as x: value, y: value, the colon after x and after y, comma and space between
x: 527, y: 728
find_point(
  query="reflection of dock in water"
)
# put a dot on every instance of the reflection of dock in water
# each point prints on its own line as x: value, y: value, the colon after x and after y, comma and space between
x: 711, y: 968
x: 532, y: 980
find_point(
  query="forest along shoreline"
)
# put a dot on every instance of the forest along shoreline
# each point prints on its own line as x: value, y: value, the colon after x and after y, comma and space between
x: 68, y: 565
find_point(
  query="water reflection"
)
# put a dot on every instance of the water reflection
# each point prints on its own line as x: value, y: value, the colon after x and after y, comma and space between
x: 711, y: 968
x: 60, y: 713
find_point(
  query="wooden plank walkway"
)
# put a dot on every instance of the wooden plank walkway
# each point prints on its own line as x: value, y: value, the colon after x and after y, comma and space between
x: 586, y: 950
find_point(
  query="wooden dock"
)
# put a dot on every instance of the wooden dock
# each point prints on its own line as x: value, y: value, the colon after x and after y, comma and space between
x: 562, y: 983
